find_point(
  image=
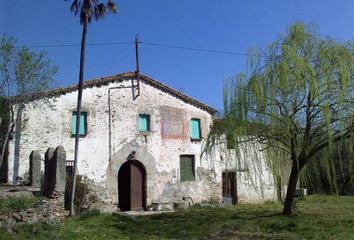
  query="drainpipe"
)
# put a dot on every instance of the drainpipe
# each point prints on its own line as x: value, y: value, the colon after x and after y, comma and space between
x: 109, y: 112
x: 133, y: 86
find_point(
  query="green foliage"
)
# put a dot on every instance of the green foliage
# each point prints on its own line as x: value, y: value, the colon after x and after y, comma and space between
x: 296, y: 98
x: 16, y: 204
x: 23, y: 72
x: 331, y: 178
x: 318, y: 217
x: 82, y: 191
x: 88, y: 9
x: 24, y: 75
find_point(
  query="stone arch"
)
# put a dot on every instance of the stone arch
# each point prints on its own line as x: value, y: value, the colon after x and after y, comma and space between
x: 126, y: 153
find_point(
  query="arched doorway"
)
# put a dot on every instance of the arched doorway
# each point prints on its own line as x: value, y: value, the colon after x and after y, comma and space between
x: 132, y: 186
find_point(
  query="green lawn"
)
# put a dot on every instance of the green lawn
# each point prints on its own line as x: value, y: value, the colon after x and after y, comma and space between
x: 317, y: 217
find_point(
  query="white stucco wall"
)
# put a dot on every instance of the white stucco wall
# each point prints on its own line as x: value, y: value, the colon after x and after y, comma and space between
x: 44, y: 126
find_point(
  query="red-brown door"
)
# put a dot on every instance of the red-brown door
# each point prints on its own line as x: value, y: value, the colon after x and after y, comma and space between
x: 131, y: 186
x: 229, y: 186
x: 136, y: 188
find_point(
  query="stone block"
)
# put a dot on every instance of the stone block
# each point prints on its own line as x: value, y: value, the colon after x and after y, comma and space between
x: 60, y: 171
x: 35, y: 169
x: 162, y: 206
x: 54, y: 172
x: 49, y: 172
x: 227, y: 201
x: 178, y: 205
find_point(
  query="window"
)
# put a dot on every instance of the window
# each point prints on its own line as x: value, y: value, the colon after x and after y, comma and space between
x: 195, y: 129
x: 187, y: 168
x: 83, y: 124
x: 144, y: 122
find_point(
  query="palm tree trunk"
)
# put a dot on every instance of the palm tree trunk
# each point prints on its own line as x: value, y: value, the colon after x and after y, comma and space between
x: 78, y: 113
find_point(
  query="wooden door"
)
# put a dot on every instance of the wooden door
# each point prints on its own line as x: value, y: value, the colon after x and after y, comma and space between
x: 131, y: 186
x: 229, y: 185
x: 124, y: 187
x: 136, y: 188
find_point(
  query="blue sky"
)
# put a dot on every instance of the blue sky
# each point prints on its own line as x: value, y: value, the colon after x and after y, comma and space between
x: 227, y: 25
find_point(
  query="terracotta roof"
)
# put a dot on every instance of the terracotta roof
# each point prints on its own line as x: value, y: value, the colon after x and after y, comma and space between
x: 120, y: 78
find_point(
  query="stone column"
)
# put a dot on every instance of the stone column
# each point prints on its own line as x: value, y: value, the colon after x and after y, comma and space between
x: 35, y: 169
x: 49, y: 172
x: 60, y: 171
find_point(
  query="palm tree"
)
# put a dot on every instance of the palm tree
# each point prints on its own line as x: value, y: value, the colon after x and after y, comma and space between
x: 87, y: 10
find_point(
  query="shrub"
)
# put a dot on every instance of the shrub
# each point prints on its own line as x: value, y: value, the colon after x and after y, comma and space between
x: 81, y: 193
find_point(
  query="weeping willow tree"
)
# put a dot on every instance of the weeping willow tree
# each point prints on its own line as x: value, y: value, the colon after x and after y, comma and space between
x: 296, y: 100
x: 334, y: 174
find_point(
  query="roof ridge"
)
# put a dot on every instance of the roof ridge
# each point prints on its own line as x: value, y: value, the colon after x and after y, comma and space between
x: 98, y: 82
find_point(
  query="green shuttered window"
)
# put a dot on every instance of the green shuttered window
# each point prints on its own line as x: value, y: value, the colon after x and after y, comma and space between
x: 187, y: 168
x: 195, y: 129
x: 144, y: 122
x: 83, y: 124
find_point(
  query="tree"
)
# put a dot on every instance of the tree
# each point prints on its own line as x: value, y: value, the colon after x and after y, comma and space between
x: 24, y: 75
x: 87, y: 10
x: 331, y: 178
x: 297, y: 99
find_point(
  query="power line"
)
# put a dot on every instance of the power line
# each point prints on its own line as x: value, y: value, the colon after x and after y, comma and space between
x: 144, y: 43
x: 76, y: 45
x: 195, y: 49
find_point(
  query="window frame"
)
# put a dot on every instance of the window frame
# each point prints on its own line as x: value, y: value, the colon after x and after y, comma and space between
x: 82, y: 113
x: 184, y: 177
x: 148, y: 122
x: 199, y: 129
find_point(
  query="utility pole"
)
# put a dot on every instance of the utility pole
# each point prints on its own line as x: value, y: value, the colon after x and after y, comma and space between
x: 137, y: 71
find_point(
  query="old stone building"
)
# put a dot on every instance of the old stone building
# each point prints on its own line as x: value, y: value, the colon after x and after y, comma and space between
x: 140, y: 142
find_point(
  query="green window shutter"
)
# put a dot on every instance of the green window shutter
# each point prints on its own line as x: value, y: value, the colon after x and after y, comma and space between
x: 183, y: 169
x: 195, y: 129
x: 144, y: 122
x: 187, y: 168
x: 73, y: 124
x: 190, y: 169
x: 83, y: 123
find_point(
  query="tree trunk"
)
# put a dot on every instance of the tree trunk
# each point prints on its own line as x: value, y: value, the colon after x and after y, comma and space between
x: 10, y: 129
x: 290, y: 193
x: 78, y: 113
x: 6, y: 141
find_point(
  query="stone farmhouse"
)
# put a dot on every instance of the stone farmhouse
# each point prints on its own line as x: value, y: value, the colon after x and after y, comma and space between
x: 140, y: 142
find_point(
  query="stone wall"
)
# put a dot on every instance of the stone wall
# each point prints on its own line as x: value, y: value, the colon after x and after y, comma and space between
x: 159, y: 150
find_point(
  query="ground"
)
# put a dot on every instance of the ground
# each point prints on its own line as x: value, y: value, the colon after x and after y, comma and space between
x: 316, y: 217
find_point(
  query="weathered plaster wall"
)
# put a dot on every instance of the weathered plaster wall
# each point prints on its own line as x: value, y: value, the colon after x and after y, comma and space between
x: 159, y: 150
x: 255, y: 180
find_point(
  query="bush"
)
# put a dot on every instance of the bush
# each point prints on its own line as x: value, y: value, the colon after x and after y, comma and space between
x: 81, y: 193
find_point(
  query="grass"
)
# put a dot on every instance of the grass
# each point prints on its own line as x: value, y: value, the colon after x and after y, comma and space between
x: 16, y: 204
x: 316, y: 217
